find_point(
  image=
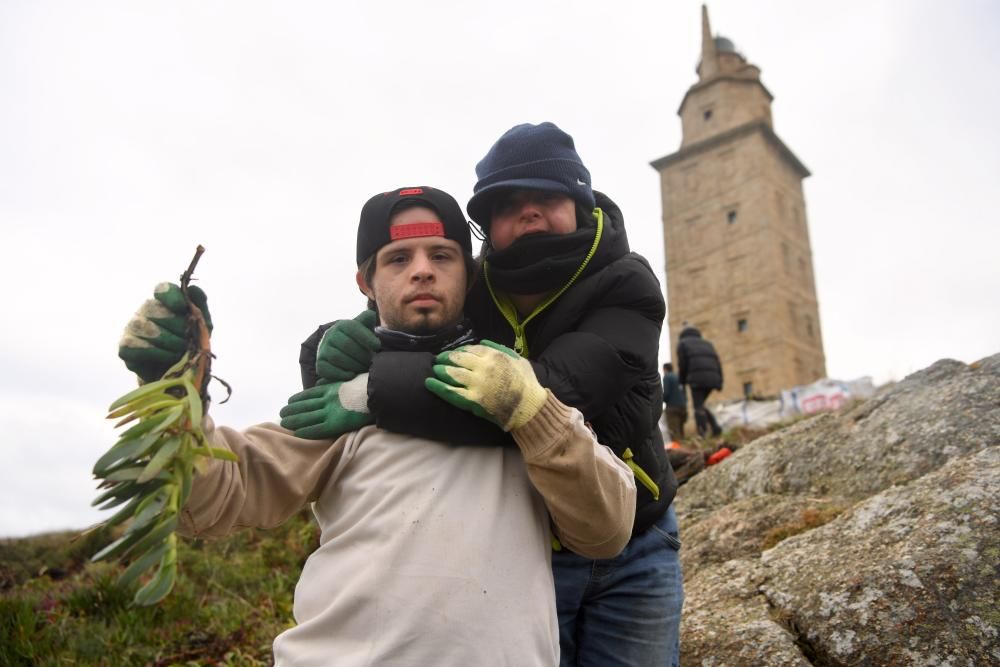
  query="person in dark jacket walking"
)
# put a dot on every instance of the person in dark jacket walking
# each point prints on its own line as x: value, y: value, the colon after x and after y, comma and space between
x: 560, y: 286
x: 699, y: 367
x: 676, y: 410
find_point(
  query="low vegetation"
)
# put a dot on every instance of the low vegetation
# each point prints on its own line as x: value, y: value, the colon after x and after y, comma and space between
x: 232, y: 597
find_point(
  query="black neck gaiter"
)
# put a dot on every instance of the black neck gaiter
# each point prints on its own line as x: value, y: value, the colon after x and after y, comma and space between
x: 539, y: 262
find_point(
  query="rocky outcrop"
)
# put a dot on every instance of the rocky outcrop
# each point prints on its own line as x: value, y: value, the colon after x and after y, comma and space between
x: 867, y: 537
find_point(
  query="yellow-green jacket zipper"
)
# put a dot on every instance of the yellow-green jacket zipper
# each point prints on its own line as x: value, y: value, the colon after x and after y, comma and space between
x: 509, y: 311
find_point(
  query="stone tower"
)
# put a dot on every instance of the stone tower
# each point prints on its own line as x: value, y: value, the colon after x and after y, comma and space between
x: 738, y: 258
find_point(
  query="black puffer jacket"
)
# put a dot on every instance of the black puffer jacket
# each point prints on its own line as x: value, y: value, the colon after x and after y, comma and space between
x: 595, y: 347
x: 698, y: 363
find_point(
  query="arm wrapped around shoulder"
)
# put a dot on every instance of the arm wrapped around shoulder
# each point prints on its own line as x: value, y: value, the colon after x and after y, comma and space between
x: 589, y: 492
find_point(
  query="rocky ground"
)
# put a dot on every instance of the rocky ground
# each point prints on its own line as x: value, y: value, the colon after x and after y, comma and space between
x: 865, y: 537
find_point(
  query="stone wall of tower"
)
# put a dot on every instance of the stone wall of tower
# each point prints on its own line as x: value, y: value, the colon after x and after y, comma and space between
x: 738, y: 261
x: 723, y: 104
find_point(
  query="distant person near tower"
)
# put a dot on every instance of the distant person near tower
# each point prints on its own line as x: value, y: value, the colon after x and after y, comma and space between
x: 675, y: 400
x: 699, y: 367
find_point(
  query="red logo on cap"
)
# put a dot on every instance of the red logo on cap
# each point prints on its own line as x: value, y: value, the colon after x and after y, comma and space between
x: 411, y: 191
x: 415, y: 229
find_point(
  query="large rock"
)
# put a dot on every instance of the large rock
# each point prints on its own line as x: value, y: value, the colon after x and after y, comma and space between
x: 869, y: 537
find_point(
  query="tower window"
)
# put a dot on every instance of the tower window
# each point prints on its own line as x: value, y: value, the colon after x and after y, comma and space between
x: 707, y: 114
x: 748, y: 389
x: 731, y: 216
x: 742, y: 324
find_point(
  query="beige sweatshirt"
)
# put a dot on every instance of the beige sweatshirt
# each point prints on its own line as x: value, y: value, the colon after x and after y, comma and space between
x: 429, y: 554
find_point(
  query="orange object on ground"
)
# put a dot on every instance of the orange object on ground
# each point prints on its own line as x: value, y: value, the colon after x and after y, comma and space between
x: 719, y: 454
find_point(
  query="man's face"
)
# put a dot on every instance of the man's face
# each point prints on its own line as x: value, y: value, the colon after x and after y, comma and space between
x: 419, y: 283
x: 523, y: 212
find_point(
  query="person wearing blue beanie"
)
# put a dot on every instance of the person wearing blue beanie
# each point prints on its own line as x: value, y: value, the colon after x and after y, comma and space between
x: 530, y: 157
x: 559, y: 285
x: 557, y: 267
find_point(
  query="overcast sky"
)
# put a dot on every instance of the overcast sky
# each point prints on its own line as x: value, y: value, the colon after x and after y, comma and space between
x: 131, y: 132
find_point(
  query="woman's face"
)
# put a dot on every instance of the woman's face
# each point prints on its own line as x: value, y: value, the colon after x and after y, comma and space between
x: 522, y: 212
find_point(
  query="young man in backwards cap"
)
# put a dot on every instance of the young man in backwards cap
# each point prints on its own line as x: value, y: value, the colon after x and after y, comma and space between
x: 560, y: 286
x: 429, y: 553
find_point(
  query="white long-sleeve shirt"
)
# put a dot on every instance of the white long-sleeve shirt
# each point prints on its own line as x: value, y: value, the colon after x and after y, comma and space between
x: 429, y: 554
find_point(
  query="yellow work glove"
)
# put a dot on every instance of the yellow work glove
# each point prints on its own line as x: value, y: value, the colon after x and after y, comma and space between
x: 490, y: 381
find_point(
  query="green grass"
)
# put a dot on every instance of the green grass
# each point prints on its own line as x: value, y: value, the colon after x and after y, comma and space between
x: 232, y: 597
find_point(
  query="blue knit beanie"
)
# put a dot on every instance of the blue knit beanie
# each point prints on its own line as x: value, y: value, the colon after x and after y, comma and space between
x: 530, y: 157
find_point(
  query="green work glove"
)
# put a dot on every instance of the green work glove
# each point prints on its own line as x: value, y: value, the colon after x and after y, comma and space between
x: 327, y: 411
x: 156, y: 337
x: 347, y: 348
x: 490, y: 381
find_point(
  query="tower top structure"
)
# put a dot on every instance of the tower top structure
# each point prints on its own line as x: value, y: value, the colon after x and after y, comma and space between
x: 728, y: 93
x: 715, y: 53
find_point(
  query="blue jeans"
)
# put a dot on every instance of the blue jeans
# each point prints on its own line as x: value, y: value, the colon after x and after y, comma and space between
x: 624, y: 610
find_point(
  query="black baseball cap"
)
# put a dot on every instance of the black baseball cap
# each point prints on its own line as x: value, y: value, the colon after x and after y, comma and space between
x: 375, y: 230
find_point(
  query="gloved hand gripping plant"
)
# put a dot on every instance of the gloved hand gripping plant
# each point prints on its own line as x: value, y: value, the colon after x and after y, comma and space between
x: 148, y: 471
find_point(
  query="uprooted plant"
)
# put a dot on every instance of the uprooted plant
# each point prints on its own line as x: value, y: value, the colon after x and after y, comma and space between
x: 148, y: 472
